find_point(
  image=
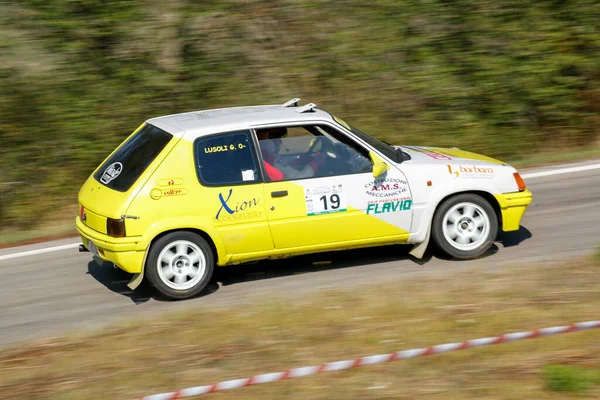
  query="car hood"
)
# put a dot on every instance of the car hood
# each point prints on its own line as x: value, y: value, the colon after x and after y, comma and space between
x: 433, y: 155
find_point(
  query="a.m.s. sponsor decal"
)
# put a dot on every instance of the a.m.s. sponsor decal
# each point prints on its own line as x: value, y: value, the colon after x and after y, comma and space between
x: 231, y: 209
x: 392, y: 205
x: 471, y: 171
x: 387, y: 188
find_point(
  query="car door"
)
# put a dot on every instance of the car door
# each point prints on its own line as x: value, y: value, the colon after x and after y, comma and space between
x: 228, y: 169
x: 341, y: 202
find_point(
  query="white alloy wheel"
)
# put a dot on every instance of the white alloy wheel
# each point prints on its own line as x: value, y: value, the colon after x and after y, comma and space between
x: 466, y: 226
x: 181, y: 265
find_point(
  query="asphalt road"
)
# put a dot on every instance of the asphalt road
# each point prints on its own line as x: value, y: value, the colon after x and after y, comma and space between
x: 49, y: 294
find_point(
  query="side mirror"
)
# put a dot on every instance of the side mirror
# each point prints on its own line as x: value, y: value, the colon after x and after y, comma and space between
x: 379, y: 166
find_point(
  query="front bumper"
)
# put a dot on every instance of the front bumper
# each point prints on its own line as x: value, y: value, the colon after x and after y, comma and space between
x: 120, y: 251
x: 512, y: 208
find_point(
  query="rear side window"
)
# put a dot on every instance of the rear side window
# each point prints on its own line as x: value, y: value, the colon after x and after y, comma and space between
x: 126, y: 165
x: 226, y: 159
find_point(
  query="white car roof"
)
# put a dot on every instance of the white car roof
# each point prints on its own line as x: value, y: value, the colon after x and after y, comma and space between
x: 200, y: 123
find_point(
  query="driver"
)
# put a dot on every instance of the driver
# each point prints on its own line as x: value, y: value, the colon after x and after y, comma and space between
x: 276, y: 165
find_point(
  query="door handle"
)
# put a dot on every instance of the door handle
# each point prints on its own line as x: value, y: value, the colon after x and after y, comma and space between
x: 279, y: 193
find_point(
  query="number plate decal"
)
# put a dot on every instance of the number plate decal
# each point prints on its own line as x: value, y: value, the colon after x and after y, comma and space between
x: 325, y: 199
x: 92, y: 248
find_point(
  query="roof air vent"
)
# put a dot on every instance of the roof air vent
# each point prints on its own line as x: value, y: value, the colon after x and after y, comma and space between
x: 291, y: 103
x: 306, y: 108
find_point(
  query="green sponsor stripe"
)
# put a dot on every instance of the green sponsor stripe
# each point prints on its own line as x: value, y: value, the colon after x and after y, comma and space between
x: 327, y: 212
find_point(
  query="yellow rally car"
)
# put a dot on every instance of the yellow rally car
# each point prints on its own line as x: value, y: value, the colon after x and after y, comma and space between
x: 187, y: 192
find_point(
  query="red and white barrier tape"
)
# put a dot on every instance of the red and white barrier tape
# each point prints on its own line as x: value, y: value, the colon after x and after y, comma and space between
x: 370, y: 360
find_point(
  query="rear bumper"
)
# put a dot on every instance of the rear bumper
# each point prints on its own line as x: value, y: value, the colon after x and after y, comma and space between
x: 120, y: 251
x: 512, y: 208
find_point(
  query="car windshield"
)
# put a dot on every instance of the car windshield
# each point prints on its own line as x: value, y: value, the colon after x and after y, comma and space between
x: 388, y: 150
x: 126, y: 165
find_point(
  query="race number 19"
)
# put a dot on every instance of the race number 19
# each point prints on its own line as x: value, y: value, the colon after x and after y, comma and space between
x: 325, y: 199
x: 334, y: 202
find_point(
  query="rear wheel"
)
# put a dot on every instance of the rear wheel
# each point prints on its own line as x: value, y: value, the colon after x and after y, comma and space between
x: 180, y: 265
x: 465, y: 226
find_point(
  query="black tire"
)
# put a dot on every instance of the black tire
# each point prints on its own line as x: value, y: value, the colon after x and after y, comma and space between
x: 182, y: 265
x: 480, y: 239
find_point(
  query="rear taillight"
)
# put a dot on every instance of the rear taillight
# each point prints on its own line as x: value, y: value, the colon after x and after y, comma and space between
x: 81, y: 212
x: 115, y: 227
x: 520, y: 182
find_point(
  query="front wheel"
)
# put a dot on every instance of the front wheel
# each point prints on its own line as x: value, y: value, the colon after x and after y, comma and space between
x: 180, y: 265
x: 465, y: 226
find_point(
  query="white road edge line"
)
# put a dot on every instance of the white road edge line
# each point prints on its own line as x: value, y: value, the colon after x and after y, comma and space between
x: 524, y: 176
x: 560, y: 171
x: 39, y: 251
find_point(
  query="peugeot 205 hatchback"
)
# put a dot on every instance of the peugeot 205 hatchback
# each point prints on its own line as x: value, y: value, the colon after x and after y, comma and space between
x: 188, y: 192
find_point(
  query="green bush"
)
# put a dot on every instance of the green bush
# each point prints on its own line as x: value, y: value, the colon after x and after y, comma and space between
x: 506, y: 78
x: 567, y: 378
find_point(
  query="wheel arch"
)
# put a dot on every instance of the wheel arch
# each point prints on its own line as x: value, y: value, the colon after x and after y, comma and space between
x: 197, y: 231
x: 137, y: 279
x: 168, y: 289
x: 421, y: 234
x: 451, y: 250
x: 486, y: 195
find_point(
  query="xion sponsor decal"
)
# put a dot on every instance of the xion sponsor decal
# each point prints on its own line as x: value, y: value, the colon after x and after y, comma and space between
x: 240, y: 216
x: 386, y: 188
x: 111, y: 172
x: 471, y: 171
x: 240, y: 210
x: 389, y: 206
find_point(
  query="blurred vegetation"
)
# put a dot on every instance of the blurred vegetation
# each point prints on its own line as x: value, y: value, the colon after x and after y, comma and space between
x: 569, y: 378
x: 507, y: 78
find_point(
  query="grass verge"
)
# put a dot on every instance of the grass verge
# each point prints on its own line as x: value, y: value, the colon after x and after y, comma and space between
x: 56, y: 225
x: 556, y: 157
x: 196, y: 347
x: 38, y: 235
x: 568, y: 378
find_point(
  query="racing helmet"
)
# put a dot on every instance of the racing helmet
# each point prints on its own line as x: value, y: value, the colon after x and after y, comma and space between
x: 270, y: 138
x: 272, y: 133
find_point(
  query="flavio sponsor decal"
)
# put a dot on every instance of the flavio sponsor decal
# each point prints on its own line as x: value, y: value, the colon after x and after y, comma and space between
x: 389, y: 206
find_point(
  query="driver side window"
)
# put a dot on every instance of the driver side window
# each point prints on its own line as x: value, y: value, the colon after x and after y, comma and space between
x: 310, y: 151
